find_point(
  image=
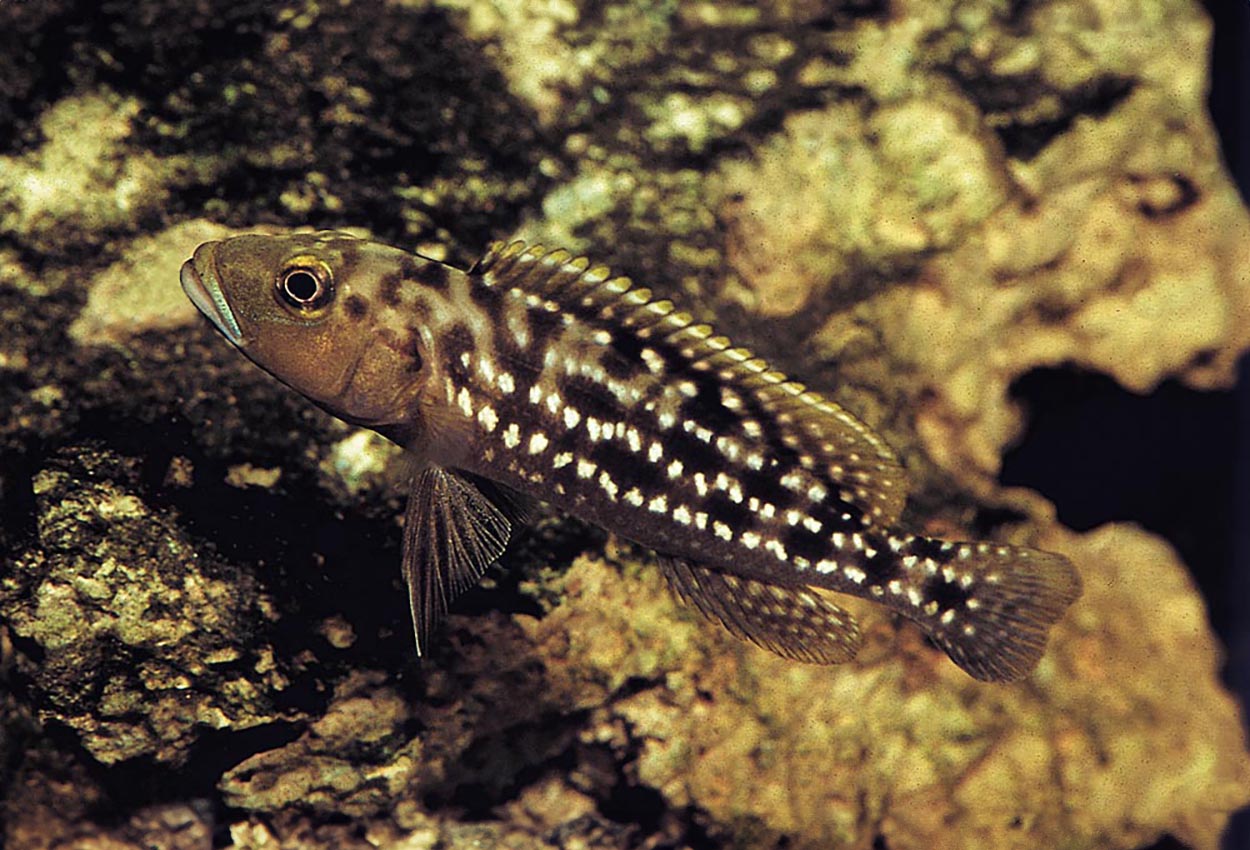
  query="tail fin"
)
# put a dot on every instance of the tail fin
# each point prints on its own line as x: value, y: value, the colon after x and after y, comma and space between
x: 1000, y: 604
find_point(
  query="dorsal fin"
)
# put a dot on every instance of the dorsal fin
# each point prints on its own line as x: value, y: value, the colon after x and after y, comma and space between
x: 831, y: 442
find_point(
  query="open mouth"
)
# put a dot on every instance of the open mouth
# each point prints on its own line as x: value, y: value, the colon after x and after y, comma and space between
x: 206, y: 294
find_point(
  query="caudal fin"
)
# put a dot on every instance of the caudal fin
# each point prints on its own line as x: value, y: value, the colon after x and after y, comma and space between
x: 1000, y: 604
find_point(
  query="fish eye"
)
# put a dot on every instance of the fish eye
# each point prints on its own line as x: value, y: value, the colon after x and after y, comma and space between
x: 306, y: 284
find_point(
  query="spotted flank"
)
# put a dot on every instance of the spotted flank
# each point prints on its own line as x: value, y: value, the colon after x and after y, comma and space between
x: 537, y: 376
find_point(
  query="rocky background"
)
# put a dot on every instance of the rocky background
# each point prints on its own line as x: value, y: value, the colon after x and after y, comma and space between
x: 912, y: 204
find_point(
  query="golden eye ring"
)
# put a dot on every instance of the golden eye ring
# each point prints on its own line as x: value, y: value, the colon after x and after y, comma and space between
x: 305, y: 285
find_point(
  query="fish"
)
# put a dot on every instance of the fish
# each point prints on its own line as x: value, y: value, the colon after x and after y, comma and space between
x: 537, y: 377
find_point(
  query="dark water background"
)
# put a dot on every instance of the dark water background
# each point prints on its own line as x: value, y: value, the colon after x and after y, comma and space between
x: 1178, y: 460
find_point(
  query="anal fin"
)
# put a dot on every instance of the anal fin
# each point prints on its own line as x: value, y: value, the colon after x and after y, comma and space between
x: 453, y: 532
x: 794, y: 622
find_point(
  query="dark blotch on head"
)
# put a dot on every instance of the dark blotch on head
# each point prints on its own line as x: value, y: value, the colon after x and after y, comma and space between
x: 356, y: 307
x: 410, y: 349
x: 488, y: 298
x: 455, y: 341
x: 389, y: 286
x: 436, y: 275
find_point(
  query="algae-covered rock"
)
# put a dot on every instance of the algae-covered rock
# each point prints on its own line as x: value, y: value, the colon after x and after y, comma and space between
x: 354, y: 761
x: 839, y: 190
x: 129, y: 636
x: 88, y: 180
x: 121, y: 301
x: 803, y: 754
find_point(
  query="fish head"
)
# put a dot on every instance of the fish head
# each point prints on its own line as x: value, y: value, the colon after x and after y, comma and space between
x: 302, y: 307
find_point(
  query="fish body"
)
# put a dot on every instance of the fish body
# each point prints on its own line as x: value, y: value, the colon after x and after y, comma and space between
x: 536, y: 376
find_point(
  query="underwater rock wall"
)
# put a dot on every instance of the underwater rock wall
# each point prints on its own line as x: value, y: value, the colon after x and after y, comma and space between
x: 908, y: 205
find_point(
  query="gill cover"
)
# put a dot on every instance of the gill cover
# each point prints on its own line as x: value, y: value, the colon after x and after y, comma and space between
x: 291, y: 304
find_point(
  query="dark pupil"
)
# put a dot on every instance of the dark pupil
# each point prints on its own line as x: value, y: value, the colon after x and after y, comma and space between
x: 302, y: 286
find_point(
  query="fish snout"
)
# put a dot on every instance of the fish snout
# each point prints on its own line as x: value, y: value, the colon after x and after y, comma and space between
x: 199, y: 281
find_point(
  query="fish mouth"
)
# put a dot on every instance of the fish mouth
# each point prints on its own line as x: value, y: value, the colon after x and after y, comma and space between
x: 205, y: 293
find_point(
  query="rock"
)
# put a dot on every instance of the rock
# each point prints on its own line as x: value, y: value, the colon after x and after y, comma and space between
x: 129, y: 637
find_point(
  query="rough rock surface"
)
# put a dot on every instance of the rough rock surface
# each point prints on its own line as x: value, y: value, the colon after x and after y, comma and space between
x: 202, y: 641
x: 143, y: 647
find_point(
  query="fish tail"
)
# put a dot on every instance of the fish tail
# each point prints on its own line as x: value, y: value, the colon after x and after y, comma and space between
x: 990, y: 607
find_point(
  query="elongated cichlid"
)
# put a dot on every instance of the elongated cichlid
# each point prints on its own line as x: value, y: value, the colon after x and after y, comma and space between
x: 535, y: 376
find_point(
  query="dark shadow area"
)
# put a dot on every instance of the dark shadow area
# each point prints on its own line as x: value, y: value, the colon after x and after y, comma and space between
x: 142, y: 782
x: 1104, y: 454
x: 1230, y: 109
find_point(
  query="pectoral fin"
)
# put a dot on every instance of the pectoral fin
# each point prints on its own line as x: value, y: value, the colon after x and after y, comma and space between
x: 794, y: 622
x: 453, y: 531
